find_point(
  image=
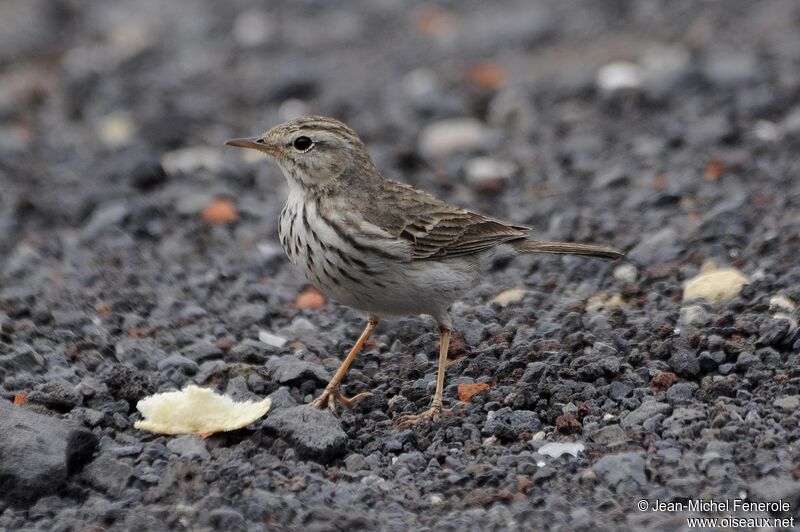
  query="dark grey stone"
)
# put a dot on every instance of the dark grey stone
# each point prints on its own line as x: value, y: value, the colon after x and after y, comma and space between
x: 289, y: 368
x: 609, y: 434
x: 243, y: 316
x: 201, y: 351
x: 189, y: 446
x: 685, y: 363
x: 645, y: 411
x: 656, y: 247
x: 315, y: 434
x: 38, y: 453
x: 282, y: 398
x: 58, y: 395
x: 107, y: 474
x: 524, y: 421
x: 141, y: 353
x: 179, y: 362
x: 623, y: 470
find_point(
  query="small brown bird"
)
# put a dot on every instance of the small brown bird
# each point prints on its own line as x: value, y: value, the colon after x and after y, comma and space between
x: 377, y: 245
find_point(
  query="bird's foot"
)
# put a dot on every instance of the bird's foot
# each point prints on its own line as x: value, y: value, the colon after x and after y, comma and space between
x: 332, y: 395
x: 431, y: 414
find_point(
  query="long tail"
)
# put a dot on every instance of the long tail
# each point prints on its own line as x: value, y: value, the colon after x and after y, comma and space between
x: 590, y: 250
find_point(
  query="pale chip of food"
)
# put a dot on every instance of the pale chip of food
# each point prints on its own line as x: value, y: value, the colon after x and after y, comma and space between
x: 715, y: 286
x: 196, y: 410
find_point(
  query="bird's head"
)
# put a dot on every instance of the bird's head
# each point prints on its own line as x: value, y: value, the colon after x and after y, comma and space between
x: 312, y: 151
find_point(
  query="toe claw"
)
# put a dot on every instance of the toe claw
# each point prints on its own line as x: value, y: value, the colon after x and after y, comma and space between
x: 432, y: 414
x: 332, y: 396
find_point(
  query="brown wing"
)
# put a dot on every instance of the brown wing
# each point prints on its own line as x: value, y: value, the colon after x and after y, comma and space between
x: 436, y: 229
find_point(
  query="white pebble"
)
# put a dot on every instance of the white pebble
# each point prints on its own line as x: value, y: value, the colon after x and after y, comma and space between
x: 116, y: 129
x: 271, y: 339
x: 482, y: 169
x: 715, y: 286
x: 619, y: 75
x: 506, y: 297
x: 556, y: 449
x: 453, y: 135
x: 626, y: 273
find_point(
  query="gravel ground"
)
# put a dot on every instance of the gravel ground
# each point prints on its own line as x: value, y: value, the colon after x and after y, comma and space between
x: 668, y: 129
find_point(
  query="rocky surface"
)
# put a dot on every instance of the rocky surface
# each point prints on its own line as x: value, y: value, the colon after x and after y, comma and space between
x: 138, y: 254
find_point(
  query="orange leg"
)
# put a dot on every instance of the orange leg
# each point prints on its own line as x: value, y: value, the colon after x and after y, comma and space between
x: 436, y: 406
x: 331, y: 394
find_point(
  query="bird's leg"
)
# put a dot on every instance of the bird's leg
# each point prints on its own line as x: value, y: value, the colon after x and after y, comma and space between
x: 331, y: 393
x: 436, y: 406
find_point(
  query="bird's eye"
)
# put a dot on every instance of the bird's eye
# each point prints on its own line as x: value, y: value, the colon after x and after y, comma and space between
x: 302, y: 143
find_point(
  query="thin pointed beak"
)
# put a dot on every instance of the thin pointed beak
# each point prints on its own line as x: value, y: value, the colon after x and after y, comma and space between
x: 254, y: 143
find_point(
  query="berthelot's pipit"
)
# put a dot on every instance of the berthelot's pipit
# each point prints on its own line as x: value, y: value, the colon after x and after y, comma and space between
x: 377, y: 245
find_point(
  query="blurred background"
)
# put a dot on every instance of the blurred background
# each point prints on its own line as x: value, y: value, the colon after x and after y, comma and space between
x: 135, y: 248
x: 123, y: 100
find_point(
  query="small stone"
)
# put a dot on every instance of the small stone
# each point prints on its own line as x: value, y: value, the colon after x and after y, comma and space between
x: 790, y: 403
x: 189, y: 446
x: 201, y: 351
x: 220, y: 211
x: 715, y: 285
x: 681, y: 391
x: 315, y: 434
x: 694, y: 316
x: 282, y: 398
x: 568, y: 423
x: 289, y: 368
x: 250, y: 351
x: 663, y: 380
x: 147, y: 175
x: 488, y: 174
x: 116, y: 129
x: 129, y: 384
x: 58, y: 395
x: 685, y: 363
x: 414, y: 461
x: 623, y: 470
x: 21, y: 359
x: 619, y: 75
x: 108, y: 475
x: 626, y: 273
x: 534, y: 371
x: 557, y: 449
x: 506, y: 297
x: 645, y: 411
x: 609, y: 434
x: 243, y: 316
x: 38, y: 453
x: 179, y: 362
x: 141, y: 353
x: 355, y: 462
x: 619, y: 390
x: 226, y: 518
x: 656, y: 247
x: 271, y: 339
x: 106, y: 216
x: 447, y: 137
x: 524, y: 421
x: 466, y: 391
